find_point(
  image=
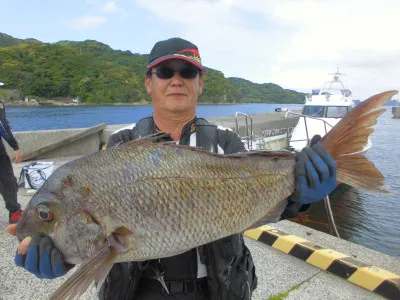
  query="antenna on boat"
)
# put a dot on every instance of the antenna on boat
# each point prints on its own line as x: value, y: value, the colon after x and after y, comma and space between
x: 336, y: 77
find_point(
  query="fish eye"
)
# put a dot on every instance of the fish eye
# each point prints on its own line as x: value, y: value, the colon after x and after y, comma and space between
x: 44, y: 213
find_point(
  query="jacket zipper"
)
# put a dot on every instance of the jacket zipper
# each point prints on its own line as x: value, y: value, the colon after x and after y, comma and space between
x: 130, y: 283
x: 247, y: 257
x: 214, y: 269
x: 248, y: 286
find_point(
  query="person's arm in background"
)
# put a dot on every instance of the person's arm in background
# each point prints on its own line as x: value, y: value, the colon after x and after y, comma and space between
x: 6, y: 133
x: 122, y: 136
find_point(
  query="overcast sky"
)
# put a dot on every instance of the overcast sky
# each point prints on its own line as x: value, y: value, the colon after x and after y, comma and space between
x: 292, y: 43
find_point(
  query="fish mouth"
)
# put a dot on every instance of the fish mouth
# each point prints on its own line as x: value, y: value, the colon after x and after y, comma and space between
x: 23, y: 227
x: 21, y: 236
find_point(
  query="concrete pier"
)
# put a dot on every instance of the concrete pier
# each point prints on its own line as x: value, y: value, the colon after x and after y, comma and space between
x: 396, y: 112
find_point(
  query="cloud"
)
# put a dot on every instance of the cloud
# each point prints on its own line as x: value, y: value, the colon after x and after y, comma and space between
x: 294, y: 43
x: 110, y: 7
x: 86, y: 22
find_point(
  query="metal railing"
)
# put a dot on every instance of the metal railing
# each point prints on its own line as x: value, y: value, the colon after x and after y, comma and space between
x: 249, y: 137
x: 264, y: 138
x: 259, y: 139
x: 305, y: 117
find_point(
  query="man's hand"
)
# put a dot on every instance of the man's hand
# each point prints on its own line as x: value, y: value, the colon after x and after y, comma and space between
x: 38, y: 256
x: 17, y: 156
x: 315, y: 173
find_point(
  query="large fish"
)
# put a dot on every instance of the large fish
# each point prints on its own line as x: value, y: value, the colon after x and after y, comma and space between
x: 143, y: 200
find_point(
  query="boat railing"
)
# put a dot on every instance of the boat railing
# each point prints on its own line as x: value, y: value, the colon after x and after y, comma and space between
x: 249, y: 133
x: 259, y: 138
x: 305, y: 117
x: 264, y: 138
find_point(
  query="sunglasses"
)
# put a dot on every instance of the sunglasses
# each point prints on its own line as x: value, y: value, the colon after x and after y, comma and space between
x: 167, y: 73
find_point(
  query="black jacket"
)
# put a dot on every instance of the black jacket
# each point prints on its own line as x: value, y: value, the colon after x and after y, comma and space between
x: 5, y: 131
x: 230, y: 268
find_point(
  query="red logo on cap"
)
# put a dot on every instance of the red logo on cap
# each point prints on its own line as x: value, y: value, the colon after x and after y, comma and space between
x: 195, y: 54
x: 194, y: 51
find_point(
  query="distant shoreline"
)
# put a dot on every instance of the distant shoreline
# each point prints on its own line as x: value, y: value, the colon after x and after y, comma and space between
x: 13, y: 104
x: 52, y: 103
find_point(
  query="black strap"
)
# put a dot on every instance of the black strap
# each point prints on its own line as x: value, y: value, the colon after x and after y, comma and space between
x: 206, y: 135
x: 188, y: 287
x: 21, y: 178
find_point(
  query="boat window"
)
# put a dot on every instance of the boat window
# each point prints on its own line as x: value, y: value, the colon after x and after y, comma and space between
x: 330, y: 91
x: 336, y: 111
x: 313, y: 111
x: 315, y: 92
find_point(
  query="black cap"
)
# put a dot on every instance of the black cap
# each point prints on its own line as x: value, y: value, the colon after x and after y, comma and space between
x: 175, y: 48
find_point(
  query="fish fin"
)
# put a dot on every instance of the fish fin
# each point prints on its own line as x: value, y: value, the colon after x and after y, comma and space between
x: 349, y: 136
x: 273, y: 216
x: 146, y: 140
x: 270, y: 154
x: 94, y: 269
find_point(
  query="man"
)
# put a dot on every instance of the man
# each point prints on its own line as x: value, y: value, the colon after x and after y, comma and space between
x: 220, y: 270
x: 8, y: 182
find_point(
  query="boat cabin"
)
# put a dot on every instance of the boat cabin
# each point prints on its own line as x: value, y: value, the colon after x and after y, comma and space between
x: 323, y: 109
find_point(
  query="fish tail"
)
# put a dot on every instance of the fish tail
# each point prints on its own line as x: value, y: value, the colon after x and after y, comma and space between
x: 347, y: 139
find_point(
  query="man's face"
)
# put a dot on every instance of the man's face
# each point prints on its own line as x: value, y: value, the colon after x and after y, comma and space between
x: 176, y: 94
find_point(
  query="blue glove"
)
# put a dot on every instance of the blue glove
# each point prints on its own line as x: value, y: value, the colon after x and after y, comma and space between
x: 315, y: 173
x: 42, y: 259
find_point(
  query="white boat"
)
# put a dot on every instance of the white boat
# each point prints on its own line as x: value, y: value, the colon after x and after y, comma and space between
x: 322, y: 110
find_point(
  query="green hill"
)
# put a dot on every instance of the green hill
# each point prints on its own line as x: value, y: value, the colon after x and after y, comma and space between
x: 265, y: 92
x: 96, y: 73
x: 7, y: 40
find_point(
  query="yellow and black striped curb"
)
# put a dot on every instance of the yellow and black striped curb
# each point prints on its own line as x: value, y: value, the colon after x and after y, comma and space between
x: 372, y: 278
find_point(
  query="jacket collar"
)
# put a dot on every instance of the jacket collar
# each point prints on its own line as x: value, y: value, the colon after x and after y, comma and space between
x: 186, y: 131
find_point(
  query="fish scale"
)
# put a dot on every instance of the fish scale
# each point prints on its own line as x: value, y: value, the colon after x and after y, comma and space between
x: 184, y: 185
